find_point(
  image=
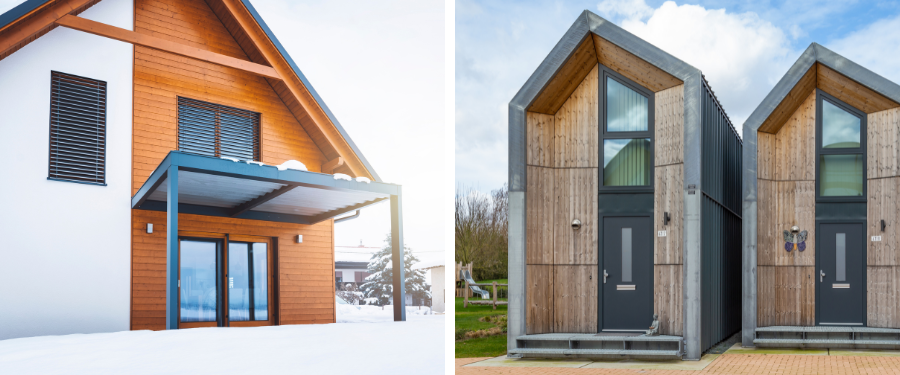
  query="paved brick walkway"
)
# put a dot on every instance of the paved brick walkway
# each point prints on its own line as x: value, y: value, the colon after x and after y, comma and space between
x: 724, y: 364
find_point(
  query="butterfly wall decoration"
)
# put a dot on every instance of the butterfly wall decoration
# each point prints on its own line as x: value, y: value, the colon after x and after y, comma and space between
x: 795, y: 239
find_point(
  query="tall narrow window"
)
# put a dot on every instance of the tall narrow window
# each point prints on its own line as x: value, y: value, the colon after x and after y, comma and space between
x: 217, y: 130
x: 627, y: 149
x: 77, y: 129
x: 841, y: 150
x: 840, y: 257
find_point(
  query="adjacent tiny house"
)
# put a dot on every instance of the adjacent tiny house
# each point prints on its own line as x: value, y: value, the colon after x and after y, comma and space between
x: 624, y: 176
x: 821, y: 156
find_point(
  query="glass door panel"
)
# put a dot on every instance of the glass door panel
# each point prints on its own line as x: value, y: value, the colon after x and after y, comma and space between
x: 198, y: 281
x: 260, y: 267
x: 248, y: 276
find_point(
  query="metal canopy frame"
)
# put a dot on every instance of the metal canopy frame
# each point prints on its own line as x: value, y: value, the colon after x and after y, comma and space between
x: 815, y: 53
x: 175, y: 161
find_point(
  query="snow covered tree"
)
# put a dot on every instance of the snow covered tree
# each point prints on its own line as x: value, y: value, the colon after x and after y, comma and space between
x: 379, y: 284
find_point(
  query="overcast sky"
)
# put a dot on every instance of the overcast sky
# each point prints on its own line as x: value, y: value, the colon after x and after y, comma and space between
x: 380, y: 68
x: 743, y: 48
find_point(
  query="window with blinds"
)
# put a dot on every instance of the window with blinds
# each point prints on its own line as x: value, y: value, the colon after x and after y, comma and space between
x: 77, y: 129
x: 217, y: 130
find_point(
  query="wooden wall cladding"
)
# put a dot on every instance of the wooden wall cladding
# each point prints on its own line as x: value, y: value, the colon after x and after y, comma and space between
x: 765, y: 156
x: 306, y: 271
x: 668, y: 196
x: 539, y: 212
x: 768, y: 238
x: 576, y: 198
x: 668, y: 298
x: 882, y: 299
x: 575, y: 299
x: 575, y: 126
x: 539, y: 296
x: 795, y: 148
x: 765, y: 296
x: 540, y: 133
x: 851, y: 92
x: 795, y: 295
x: 796, y: 205
x: 569, y: 76
x: 790, y: 103
x: 883, y: 204
x: 160, y: 77
x: 883, y: 143
x: 633, y: 67
x: 669, y: 126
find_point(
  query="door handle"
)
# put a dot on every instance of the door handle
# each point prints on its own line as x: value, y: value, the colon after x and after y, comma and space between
x: 605, y: 275
x: 821, y: 276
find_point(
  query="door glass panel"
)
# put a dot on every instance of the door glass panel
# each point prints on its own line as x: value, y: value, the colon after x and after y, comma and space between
x: 840, y: 129
x: 626, y: 255
x: 238, y: 282
x: 626, y: 162
x: 198, y: 281
x: 260, y: 282
x: 841, y: 175
x: 840, y: 273
x: 626, y: 109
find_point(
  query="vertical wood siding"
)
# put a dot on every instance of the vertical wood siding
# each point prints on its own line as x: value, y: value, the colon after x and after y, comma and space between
x: 576, y: 126
x: 883, y: 258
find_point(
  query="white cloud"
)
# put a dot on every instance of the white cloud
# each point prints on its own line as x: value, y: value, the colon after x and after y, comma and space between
x: 873, y: 47
x: 627, y: 9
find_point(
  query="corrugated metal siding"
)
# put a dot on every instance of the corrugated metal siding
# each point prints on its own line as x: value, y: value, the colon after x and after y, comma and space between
x: 721, y: 223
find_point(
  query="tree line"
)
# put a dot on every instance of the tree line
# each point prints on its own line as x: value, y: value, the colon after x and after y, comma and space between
x: 481, y: 231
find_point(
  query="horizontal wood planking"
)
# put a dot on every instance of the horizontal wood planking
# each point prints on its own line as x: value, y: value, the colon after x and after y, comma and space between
x: 768, y: 238
x: 669, y: 125
x: 575, y: 190
x: 633, y: 67
x: 575, y: 299
x: 667, y: 298
x: 539, y: 212
x: 541, y: 137
x: 882, y: 299
x: 569, y: 76
x: 765, y: 296
x: 796, y: 206
x: 539, y: 296
x: 883, y: 143
x: 160, y: 77
x: 788, y: 106
x: 306, y: 271
x: 765, y: 156
x: 575, y: 127
x: 795, y: 144
x: 668, y: 196
x: 851, y: 92
x: 883, y: 204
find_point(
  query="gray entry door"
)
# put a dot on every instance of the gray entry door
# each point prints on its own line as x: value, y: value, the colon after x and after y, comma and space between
x: 841, y: 260
x: 628, y: 266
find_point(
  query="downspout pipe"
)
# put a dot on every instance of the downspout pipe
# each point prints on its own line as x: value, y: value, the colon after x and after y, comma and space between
x: 345, y: 218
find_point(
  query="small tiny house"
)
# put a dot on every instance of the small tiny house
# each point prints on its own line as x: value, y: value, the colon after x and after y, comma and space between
x: 624, y: 177
x: 820, y: 237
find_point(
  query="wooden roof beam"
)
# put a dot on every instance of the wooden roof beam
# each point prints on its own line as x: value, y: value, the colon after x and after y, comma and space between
x: 128, y: 36
x: 38, y: 22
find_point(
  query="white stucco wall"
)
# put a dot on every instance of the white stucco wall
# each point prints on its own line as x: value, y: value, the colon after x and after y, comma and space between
x: 65, y: 248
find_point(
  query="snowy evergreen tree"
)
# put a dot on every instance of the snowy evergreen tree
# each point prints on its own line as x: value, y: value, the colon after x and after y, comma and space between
x: 379, y: 284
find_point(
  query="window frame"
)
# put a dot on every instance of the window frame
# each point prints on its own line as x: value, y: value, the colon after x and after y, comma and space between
x: 105, y: 131
x: 258, y: 152
x: 862, y: 150
x: 603, y: 134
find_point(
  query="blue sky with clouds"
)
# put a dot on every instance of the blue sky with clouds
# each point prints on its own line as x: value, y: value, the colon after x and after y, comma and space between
x: 743, y: 48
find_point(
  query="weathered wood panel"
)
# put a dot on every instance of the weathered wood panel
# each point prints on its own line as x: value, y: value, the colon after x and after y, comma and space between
x: 851, y: 92
x: 765, y: 296
x: 796, y: 206
x: 569, y: 76
x: 790, y: 103
x: 160, y: 77
x: 668, y: 196
x: 539, y: 133
x: 305, y: 271
x: 883, y: 143
x: 795, y: 147
x: 576, y: 198
x: 669, y: 125
x: 633, y: 67
x: 768, y: 237
x: 539, y: 297
x: 575, y: 127
x: 882, y: 299
x: 795, y: 294
x: 668, y: 298
x: 883, y: 205
x: 575, y: 299
x: 539, y: 213
x: 765, y: 156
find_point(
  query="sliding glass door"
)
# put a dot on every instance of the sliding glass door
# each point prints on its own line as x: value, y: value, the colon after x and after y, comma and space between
x: 248, y: 288
x: 200, y: 274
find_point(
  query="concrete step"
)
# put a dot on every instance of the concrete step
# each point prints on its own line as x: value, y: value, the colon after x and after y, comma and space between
x: 597, y: 353
x: 828, y: 337
x: 585, y: 345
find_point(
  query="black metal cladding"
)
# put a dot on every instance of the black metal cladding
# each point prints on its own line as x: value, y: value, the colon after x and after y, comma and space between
x: 77, y: 129
x: 217, y: 130
x: 721, y: 224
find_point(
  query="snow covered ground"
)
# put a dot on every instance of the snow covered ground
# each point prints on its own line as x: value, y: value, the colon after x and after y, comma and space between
x: 376, y: 345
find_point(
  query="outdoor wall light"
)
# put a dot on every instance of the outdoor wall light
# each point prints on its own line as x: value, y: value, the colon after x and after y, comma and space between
x: 666, y: 218
x: 576, y: 224
x: 299, y: 238
x: 149, y: 228
x: 883, y: 225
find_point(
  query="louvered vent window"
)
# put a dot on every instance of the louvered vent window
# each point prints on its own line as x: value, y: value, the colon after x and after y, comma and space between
x: 217, y: 130
x: 77, y: 129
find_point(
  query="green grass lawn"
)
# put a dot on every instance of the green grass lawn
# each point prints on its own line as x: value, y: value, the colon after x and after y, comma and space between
x: 467, y: 319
